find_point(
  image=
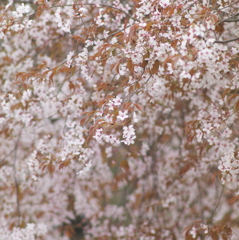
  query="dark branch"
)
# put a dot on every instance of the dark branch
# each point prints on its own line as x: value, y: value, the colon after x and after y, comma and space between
x: 16, y: 1
x: 227, y: 41
x: 231, y: 20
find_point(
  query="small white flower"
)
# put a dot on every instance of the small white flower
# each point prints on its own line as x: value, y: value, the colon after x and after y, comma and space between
x: 199, y: 135
x: 69, y: 58
x: 193, y: 232
x: 135, y: 118
x: 117, y: 101
x: 111, y: 105
x: 83, y: 10
x: 86, y: 169
x: 22, y: 9
x: 128, y: 135
x: 108, y: 151
x: 123, y: 115
x: 109, y: 138
x: 98, y: 134
x: 114, y: 40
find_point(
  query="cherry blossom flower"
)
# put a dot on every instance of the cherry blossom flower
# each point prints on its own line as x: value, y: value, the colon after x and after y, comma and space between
x: 128, y: 134
x: 69, y: 59
x: 117, y: 101
x: 123, y: 115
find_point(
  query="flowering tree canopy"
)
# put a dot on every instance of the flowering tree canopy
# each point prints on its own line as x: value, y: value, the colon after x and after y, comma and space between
x: 119, y: 119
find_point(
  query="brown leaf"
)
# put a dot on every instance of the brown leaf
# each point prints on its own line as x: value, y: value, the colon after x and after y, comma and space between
x: 219, y: 28
x: 69, y: 231
x: 232, y: 200
x: 82, y: 121
x: 186, y: 167
x: 139, y: 107
x: 124, y: 164
x: 78, y: 39
x: 155, y: 67
x: 51, y: 167
x: 236, y: 106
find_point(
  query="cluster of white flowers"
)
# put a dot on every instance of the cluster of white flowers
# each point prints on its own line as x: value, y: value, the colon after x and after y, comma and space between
x: 106, y: 138
x: 63, y: 25
x: 69, y: 59
x: 30, y: 232
x: 115, y: 102
x: 194, y: 230
x: 128, y: 134
x: 99, y: 136
x: 123, y: 115
x: 21, y: 10
x: 86, y: 169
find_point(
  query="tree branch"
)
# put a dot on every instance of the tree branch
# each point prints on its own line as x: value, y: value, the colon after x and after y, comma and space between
x: 99, y: 5
x: 16, y: 181
x: 227, y: 41
x: 231, y: 20
x: 118, y: 9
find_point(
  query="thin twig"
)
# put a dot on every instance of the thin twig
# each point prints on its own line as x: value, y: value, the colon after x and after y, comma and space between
x: 93, y: 4
x: 224, y: 20
x: 200, y: 200
x: 118, y: 9
x: 232, y: 20
x: 229, y: 5
x: 24, y: 2
x: 16, y: 181
x: 7, y: 155
x: 227, y: 41
x: 217, y: 205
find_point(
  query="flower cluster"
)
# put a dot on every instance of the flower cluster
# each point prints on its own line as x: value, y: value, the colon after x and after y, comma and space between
x: 119, y: 119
